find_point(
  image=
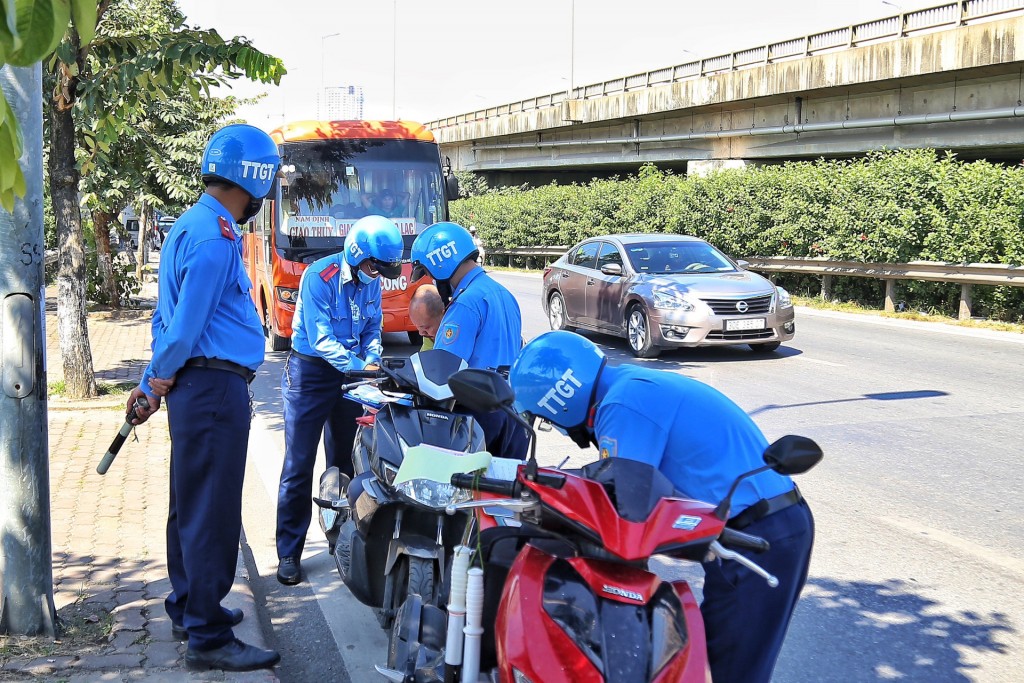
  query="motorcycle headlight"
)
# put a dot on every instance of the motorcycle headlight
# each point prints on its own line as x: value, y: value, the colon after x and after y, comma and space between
x: 670, y: 300
x: 431, y: 493
x: 785, y: 300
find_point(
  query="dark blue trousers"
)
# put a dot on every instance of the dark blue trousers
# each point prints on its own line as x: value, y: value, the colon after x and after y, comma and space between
x: 208, y: 413
x: 313, y: 404
x: 503, y: 436
x: 746, y: 620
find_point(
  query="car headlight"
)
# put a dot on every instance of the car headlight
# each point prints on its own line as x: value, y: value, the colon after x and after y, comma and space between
x: 785, y: 300
x: 670, y: 300
x: 432, y: 493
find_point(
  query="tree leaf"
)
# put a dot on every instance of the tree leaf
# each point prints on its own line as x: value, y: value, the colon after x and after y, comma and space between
x: 39, y: 24
x: 84, y: 14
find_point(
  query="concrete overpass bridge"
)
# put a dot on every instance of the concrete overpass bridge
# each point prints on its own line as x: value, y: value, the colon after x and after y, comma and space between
x: 949, y: 77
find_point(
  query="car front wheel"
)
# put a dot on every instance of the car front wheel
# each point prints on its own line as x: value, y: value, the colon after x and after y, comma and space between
x: 765, y: 348
x: 638, y: 334
x: 556, y: 313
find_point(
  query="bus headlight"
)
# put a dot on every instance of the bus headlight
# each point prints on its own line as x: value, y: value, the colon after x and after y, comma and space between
x: 289, y: 296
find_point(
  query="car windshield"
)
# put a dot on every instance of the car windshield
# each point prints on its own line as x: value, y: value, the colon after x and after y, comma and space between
x: 328, y: 185
x: 677, y: 257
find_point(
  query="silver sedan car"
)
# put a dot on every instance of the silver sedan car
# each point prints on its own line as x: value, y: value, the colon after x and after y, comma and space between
x: 663, y: 291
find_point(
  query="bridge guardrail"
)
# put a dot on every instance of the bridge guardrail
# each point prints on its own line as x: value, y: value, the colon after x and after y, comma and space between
x: 948, y: 15
x: 965, y: 274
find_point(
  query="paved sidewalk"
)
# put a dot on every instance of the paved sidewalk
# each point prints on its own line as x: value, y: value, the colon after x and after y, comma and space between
x: 108, y: 535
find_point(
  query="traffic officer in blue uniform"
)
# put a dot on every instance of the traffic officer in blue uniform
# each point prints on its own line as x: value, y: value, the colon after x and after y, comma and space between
x: 702, y: 442
x: 207, y: 344
x: 336, y: 328
x: 481, y: 324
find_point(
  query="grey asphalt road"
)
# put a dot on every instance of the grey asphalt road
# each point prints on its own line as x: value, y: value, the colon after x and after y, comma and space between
x: 918, y: 569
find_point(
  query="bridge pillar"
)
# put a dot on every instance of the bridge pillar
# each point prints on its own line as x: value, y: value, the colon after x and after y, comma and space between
x: 703, y: 167
x: 965, y: 302
x: 890, y: 296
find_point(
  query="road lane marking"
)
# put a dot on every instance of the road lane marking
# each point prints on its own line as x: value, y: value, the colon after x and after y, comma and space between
x: 820, y: 362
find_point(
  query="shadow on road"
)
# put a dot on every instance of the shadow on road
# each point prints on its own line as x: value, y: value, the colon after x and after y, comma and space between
x: 618, y: 353
x: 874, y: 631
x: 881, y: 396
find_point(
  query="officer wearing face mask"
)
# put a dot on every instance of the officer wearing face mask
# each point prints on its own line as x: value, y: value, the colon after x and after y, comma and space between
x: 207, y: 344
x: 481, y: 324
x: 336, y: 328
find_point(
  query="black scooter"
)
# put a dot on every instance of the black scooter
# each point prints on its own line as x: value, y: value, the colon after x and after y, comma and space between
x: 389, y: 539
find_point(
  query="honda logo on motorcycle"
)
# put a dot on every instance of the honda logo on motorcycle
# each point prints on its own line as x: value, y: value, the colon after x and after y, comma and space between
x: 742, y: 306
x: 686, y: 523
x: 564, y: 388
x: 622, y: 592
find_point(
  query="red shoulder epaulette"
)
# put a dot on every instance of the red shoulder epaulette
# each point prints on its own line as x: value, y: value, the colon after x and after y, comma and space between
x: 225, y: 228
x: 329, y: 272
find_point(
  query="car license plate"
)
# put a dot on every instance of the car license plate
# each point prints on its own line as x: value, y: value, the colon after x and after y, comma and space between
x: 745, y: 324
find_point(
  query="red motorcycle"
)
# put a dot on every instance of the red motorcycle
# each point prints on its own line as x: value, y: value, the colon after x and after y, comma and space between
x: 565, y: 593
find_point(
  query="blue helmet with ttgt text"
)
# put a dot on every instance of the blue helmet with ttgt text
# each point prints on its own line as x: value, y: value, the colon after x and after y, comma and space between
x: 378, y: 239
x: 244, y: 156
x: 441, y: 249
x: 555, y: 376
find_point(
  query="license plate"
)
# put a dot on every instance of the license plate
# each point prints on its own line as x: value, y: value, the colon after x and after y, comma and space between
x: 745, y: 324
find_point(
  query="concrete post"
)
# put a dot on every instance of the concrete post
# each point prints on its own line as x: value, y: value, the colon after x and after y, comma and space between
x: 26, y: 575
x: 826, y: 287
x: 965, y: 302
x: 890, y: 296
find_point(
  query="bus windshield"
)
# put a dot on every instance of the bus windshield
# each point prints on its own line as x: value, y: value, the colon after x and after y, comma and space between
x: 328, y: 185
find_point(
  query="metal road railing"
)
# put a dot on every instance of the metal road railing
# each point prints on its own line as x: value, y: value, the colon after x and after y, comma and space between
x: 949, y: 15
x: 964, y: 274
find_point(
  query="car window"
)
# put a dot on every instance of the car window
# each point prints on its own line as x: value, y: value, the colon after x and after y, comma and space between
x: 677, y: 257
x: 608, y: 254
x: 585, y: 255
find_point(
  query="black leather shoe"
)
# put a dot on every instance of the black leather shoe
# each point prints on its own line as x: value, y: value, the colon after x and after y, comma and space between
x: 235, y: 656
x: 180, y: 633
x: 289, y: 571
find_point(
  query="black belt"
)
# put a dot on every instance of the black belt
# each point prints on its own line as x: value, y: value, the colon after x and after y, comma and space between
x: 763, y: 508
x: 312, y: 359
x: 218, y: 364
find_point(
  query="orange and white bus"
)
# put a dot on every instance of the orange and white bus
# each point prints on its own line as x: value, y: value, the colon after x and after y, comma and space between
x: 332, y: 174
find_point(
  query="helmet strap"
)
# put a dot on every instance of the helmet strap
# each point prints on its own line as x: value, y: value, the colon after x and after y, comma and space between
x: 444, y: 288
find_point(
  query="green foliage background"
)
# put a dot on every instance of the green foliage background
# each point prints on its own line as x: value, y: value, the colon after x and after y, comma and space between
x: 886, y: 207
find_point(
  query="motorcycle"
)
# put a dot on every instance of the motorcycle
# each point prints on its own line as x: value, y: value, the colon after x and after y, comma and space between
x: 387, y: 527
x: 567, y: 595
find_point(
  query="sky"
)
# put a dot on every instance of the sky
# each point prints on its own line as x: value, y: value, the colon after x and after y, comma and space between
x: 436, y: 58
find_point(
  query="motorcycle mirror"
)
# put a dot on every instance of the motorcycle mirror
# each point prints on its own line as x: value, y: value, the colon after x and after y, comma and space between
x: 485, y: 390
x: 793, y: 455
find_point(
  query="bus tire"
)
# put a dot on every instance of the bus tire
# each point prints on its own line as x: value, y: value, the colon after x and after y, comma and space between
x: 415, y: 338
x: 279, y: 343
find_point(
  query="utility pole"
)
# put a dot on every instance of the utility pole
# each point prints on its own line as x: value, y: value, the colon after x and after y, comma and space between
x: 26, y: 573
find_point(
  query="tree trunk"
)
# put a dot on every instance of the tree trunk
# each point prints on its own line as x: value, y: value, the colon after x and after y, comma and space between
x: 72, y: 327
x: 101, y: 221
x: 143, y: 239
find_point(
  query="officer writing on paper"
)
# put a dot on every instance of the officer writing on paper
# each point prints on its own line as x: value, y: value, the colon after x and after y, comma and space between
x: 702, y: 442
x: 336, y: 328
x: 207, y: 343
x: 481, y: 324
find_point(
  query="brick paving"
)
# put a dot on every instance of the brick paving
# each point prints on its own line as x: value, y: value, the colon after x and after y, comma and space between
x: 108, y: 537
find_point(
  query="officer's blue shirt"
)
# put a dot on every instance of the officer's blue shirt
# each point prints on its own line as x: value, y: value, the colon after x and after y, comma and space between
x: 337, y: 317
x: 690, y: 431
x: 204, y: 306
x: 482, y: 324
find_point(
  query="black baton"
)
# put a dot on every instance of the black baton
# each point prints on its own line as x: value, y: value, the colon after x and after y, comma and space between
x: 126, y: 429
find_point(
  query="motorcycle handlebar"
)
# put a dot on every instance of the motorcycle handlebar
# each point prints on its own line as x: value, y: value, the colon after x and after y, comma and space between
x: 737, y: 539
x: 472, y: 482
x: 363, y: 374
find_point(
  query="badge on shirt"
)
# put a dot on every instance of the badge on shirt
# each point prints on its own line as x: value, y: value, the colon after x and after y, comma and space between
x: 450, y: 333
x: 608, y: 447
x: 353, y: 308
x: 225, y: 228
x: 329, y: 272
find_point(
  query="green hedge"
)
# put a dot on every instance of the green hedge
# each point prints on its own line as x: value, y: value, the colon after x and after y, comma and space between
x: 887, y: 207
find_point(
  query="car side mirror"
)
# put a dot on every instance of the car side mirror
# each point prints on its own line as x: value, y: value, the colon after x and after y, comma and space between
x: 612, y: 269
x: 792, y: 455
x: 743, y: 265
x: 485, y: 390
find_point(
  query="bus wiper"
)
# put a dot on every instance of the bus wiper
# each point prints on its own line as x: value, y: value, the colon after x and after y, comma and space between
x: 315, y: 252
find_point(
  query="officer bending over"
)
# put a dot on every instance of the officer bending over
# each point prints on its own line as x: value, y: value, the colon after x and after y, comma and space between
x: 482, y: 323
x: 336, y: 328
x: 701, y: 441
x: 207, y: 343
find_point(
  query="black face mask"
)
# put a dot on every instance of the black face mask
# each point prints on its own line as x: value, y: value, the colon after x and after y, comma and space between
x: 444, y: 288
x: 251, y: 210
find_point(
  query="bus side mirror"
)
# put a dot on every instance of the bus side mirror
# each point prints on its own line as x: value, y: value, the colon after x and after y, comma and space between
x: 451, y: 187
